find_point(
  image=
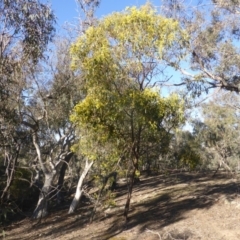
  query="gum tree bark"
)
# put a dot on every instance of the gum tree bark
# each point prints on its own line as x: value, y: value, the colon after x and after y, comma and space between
x: 61, y: 177
x: 10, y: 169
x: 42, y: 206
x: 50, y: 173
x: 79, y: 189
x: 41, y: 209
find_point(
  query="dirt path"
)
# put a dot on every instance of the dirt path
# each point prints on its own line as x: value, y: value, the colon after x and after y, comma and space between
x: 183, y: 206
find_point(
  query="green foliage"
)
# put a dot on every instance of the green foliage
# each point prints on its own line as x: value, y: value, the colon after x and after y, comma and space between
x: 20, y: 186
x: 213, y: 46
x: 20, y: 195
x: 122, y: 44
x: 27, y: 26
x: 109, y: 199
x: 30, y: 21
x: 189, y: 157
x: 219, y: 132
x: 105, y: 120
x: 187, y: 150
x: 103, y: 109
x: 123, y: 112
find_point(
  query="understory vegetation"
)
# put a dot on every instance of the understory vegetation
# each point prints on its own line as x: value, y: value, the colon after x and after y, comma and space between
x: 145, y: 92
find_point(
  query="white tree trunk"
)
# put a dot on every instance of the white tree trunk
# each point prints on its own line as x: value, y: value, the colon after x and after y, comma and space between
x: 79, y: 190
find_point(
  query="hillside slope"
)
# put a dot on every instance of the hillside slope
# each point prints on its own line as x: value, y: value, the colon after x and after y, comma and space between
x: 179, y: 206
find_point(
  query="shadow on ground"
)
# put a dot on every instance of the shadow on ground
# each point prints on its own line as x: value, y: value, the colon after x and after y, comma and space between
x: 197, y: 192
x: 160, y: 201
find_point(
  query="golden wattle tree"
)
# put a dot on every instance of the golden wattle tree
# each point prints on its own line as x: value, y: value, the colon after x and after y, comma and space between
x: 121, y: 60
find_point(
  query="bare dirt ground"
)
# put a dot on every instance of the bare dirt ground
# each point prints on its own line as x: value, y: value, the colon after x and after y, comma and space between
x: 177, y: 207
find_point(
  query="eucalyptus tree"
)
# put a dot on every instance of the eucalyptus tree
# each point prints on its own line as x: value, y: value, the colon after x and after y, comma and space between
x: 212, y: 54
x: 186, y: 150
x: 120, y: 59
x: 47, y: 117
x: 26, y: 27
x: 211, y: 58
x: 220, y: 131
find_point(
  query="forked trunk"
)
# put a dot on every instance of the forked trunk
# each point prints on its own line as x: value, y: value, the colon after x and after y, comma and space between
x: 79, y: 189
x: 41, y: 209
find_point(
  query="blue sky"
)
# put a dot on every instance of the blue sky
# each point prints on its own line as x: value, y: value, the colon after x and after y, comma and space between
x: 66, y: 10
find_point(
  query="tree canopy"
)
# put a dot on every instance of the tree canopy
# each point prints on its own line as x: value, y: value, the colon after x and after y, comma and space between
x: 119, y: 66
x: 119, y: 62
x: 212, y: 53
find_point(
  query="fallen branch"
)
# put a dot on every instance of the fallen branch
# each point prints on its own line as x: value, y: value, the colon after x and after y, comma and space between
x: 154, y: 232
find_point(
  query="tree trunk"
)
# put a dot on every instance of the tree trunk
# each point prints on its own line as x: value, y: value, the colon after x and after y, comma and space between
x: 41, y: 209
x: 214, y: 174
x: 226, y: 167
x: 112, y: 187
x: 10, y: 171
x: 130, y: 188
x: 61, y: 177
x: 79, y: 189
